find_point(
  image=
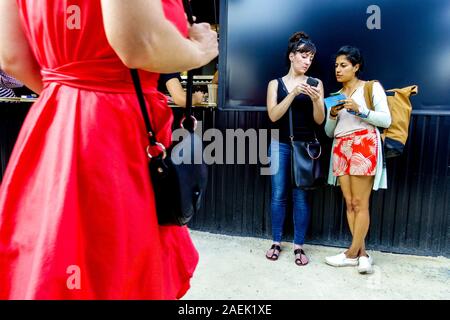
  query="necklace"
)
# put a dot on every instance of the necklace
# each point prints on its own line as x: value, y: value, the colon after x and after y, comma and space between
x: 354, y: 88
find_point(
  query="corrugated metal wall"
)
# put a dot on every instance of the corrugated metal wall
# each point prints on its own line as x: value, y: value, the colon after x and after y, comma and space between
x: 412, y: 216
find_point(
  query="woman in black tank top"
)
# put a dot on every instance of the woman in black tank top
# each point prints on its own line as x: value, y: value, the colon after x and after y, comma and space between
x: 305, y: 97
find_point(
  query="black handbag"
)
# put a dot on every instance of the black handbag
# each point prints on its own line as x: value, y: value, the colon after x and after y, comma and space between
x: 306, y: 168
x: 179, y: 183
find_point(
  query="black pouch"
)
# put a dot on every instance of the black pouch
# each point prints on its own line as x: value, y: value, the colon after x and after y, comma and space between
x: 306, y: 168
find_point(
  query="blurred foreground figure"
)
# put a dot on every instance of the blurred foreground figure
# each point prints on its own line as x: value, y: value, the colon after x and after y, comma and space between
x: 77, y: 211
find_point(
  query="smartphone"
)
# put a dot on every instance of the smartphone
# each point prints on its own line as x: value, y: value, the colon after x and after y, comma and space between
x: 312, y: 82
x: 334, y: 100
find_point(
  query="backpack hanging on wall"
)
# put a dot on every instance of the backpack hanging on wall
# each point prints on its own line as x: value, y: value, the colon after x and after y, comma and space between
x: 400, y: 107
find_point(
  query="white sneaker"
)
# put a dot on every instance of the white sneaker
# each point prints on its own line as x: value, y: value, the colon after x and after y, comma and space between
x: 365, y: 264
x: 341, y: 260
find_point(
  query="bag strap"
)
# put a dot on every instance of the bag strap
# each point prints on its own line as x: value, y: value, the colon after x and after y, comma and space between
x: 368, y: 92
x: 291, y: 126
x: 190, y: 76
x: 142, y: 101
x: 143, y: 105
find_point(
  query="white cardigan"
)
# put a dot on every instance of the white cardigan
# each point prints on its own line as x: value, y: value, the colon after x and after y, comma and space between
x: 381, y: 117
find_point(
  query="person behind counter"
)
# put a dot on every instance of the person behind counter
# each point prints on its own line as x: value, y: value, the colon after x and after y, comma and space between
x: 7, y: 83
x: 172, y: 82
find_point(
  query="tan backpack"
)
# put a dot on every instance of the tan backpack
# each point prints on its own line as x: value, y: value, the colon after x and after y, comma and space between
x: 398, y: 101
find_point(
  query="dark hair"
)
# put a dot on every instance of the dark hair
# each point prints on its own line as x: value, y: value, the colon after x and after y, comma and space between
x: 353, y: 55
x: 299, y: 42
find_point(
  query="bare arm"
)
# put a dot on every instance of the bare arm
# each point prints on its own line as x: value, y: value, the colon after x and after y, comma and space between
x: 16, y: 57
x: 176, y: 92
x: 144, y: 39
x: 317, y: 97
x: 277, y: 110
x: 179, y: 95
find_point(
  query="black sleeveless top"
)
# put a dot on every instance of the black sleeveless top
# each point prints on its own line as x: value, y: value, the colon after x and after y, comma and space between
x: 302, y: 117
x: 164, y: 78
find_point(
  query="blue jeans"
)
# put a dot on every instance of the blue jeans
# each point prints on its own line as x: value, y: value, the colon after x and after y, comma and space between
x: 281, y: 190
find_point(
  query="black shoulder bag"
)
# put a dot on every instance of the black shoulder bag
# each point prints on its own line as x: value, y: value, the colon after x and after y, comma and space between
x: 179, y: 183
x: 306, y: 169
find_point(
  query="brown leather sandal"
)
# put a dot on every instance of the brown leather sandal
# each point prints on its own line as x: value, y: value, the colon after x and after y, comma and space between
x: 274, y: 256
x: 298, y: 261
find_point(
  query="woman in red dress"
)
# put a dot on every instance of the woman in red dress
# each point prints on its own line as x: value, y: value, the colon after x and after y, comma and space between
x: 77, y: 213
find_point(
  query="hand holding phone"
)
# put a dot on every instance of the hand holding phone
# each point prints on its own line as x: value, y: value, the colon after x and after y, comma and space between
x: 334, y: 101
x: 312, y: 82
x: 335, y: 109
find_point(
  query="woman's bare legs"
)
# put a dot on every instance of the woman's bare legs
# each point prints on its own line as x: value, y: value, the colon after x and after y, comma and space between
x: 361, y: 188
x: 356, y: 191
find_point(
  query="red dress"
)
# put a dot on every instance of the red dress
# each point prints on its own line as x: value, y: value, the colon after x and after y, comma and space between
x: 77, y: 213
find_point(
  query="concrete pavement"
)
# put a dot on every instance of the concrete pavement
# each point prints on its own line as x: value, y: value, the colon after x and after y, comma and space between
x: 236, y: 268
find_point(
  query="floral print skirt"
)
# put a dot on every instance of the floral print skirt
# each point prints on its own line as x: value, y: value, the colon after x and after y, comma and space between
x: 356, y: 154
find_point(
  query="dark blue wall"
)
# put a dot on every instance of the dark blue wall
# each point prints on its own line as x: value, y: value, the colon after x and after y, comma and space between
x: 411, y: 47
